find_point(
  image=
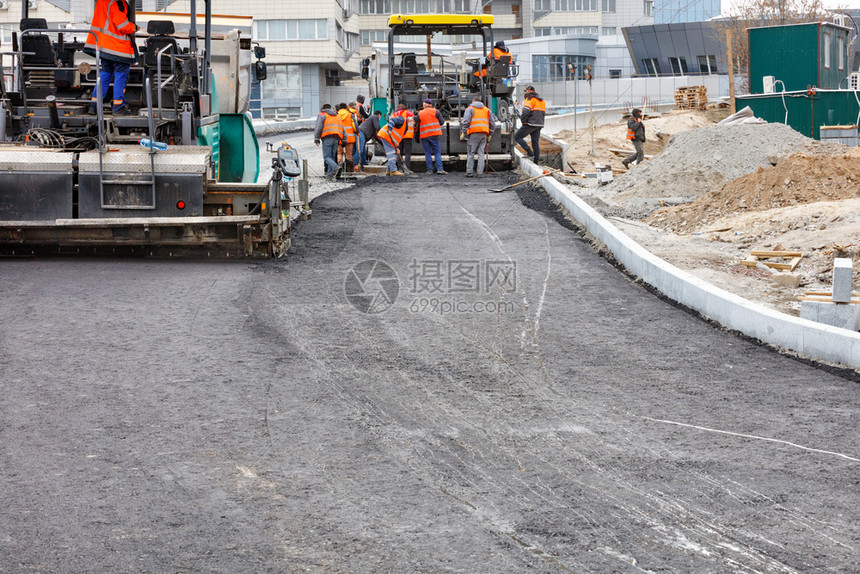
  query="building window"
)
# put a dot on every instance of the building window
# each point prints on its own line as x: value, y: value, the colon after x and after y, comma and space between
x: 558, y: 68
x: 827, y: 50
x: 368, y: 37
x: 575, y: 5
x: 614, y: 74
x: 648, y: 7
x: 608, y: 6
x: 707, y: 64
x: 840, y: 46
x: 283, y: 82
x: 652, y: 66
x: 375, y: 7
x: 608, y: 31
x: 679, y: 66
x: 543, y: 5
x: 278, y: 30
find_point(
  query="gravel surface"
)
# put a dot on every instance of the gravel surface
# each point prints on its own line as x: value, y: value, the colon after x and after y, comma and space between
x: 184, y: 417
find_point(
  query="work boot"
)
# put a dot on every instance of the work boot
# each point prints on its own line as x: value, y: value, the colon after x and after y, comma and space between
x: 395, y: 173
x: 441, y: 172
x: 470, y: 174
x: 337, y: 172
x: 122, y: 111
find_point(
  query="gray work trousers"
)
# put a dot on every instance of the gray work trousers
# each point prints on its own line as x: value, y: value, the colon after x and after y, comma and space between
x: 477, y: 143
x: 638, y: 155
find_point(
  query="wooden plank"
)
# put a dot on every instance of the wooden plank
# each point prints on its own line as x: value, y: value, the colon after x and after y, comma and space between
x: 776, y: 253
x: 750, y: 261
x: 794, y: 262
x: 780, y: 266
x: 826, y: 300
x: 828, y: 293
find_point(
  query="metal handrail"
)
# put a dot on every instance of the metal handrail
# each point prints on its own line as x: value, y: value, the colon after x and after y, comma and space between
x: 148, y: 87
x: 158, y: 76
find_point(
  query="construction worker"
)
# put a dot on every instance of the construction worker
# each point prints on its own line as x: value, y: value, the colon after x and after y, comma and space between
x: 114, y: 32
x: 363, y: 111
x: 406, y: 143
x: 499, y: 50
x: 347, y: 150
x: 429, y: 128
x: 366, y: 133
x: 391, y: 135
x: 532, y: 118
x: 478, y: 124
x: 635, y: 134
x: 329, y: 130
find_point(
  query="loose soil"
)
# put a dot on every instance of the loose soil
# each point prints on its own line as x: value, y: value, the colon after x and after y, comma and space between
x: 715, y: 193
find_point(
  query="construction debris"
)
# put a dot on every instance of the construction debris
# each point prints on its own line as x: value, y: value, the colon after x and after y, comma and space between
x: 764, y: 256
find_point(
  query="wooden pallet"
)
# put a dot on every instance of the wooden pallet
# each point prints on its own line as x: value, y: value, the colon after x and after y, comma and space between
x: 691, y: 98
x: 757, y: 257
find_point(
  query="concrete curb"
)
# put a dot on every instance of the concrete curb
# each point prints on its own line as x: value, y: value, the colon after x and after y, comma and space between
x: 807, y: 338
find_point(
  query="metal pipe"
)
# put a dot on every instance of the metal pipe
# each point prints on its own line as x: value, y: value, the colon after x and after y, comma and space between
x: 208, y: 43
x: 52, y: 110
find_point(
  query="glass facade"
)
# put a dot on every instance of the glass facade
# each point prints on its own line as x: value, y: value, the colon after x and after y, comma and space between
x: 557, y: 68
x: 675, y: 11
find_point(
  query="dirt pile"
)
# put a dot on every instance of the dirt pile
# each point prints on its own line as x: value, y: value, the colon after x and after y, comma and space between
x: 614, y: 136
x: 798, y: 180
x: 698, y: 161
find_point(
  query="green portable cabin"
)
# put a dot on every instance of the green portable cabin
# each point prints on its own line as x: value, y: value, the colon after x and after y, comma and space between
x: 798, y: 75
x: 799, y: 56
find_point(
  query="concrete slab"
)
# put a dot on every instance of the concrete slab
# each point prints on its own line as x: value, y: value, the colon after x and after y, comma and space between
x: 843, y: 279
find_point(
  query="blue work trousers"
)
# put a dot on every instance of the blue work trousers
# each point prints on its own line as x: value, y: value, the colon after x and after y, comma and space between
x: 432, y: 149
x: 329, y: 149
x: 116, y: 73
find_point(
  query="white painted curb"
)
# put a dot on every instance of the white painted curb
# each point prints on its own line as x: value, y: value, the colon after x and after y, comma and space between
x: 807, y: 338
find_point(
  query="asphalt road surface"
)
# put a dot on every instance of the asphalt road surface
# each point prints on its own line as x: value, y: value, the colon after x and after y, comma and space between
x: 438, y: 379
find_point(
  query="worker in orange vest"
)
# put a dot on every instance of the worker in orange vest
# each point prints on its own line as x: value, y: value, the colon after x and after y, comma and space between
x: 636, y: 135
x: 113, y: 31
x: 391, y: 135
x: 353, y: 109
x: 406, y: 143
x: 499, y: 50
x: 429, y: 128
x: 532, y: 118
x: 346, y: 152
x: 478, y: 125
x: 329, y: 130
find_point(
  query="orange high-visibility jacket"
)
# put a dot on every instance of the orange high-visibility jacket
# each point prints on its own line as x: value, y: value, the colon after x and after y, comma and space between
x: 332, y: 126
x: 348, y: 125
x: 391, y: 134
x: 428, y: 123
x: 112, y: 28
x: 480, y: 123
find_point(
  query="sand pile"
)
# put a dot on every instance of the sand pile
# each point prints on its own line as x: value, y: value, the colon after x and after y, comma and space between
x: 614, y: 136
x: 698, y: 161
x: 798, y: 180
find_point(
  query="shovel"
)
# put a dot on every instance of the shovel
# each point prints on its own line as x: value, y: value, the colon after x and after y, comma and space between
x: 527, y: 180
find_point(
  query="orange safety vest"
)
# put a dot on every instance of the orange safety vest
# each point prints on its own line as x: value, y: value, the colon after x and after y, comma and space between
x: 535, y: 104
x: 348, y: 126
x: 631, y: 134
x: 480, y: 123
x: 112, y: 28
x: 497, y: 55
x: 332, y: 126
x: 428, y: 125
x: 409, y: 123
x: 392, y: 135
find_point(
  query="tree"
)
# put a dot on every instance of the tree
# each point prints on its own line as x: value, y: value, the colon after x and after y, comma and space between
x: 759, y: 13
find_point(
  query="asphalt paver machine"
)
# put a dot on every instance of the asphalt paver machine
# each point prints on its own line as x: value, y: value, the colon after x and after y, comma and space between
x: 447, y: 76
x: 176, y: 176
